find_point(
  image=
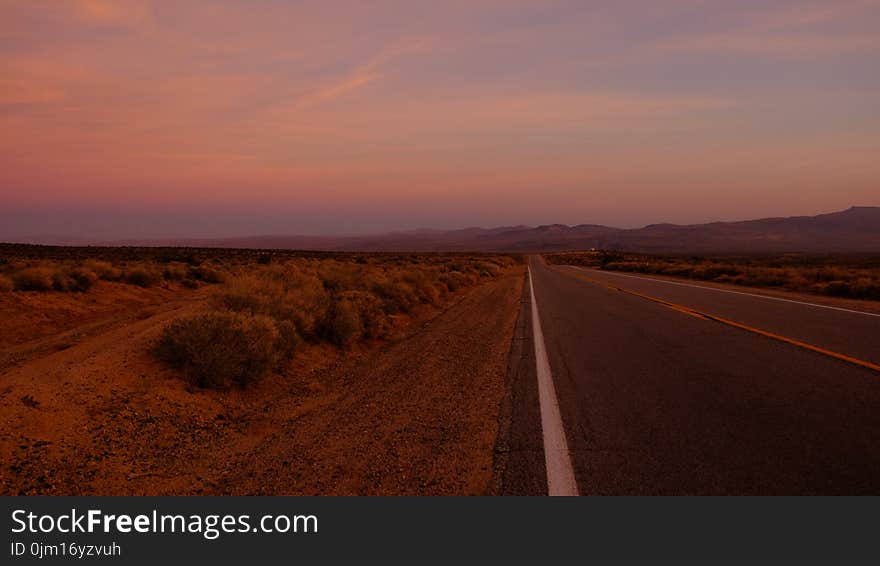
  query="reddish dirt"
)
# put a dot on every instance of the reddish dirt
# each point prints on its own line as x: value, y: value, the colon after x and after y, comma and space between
x: 100, y: 416
x: 35, y: 323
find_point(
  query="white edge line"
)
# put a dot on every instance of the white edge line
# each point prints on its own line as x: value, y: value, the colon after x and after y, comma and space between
x: 728, y: 291
x: 560, y: 474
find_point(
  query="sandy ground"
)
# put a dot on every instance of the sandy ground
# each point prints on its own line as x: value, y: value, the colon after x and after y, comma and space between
x: 33, y: 324
x: 85, y: 409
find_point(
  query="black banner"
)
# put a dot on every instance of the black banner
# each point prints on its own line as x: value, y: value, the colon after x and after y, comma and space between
x: 232, y: 530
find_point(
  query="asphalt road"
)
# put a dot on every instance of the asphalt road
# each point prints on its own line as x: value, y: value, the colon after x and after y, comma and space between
x: 844, y: 331
x: 656, y: 401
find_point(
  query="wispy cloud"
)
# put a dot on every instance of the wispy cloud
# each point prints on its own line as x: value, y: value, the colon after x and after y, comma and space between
x: 121, y: 13
x: 362, y: 76
x: 751, y: 43
x: 800, y: 29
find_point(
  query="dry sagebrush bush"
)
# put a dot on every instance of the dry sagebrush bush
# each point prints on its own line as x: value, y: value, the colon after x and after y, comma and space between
x: 206, y: 274
x: 64, y: 278
x: 70, y: 276
x: 6, y: 284
x: 103, y: 269
x: 142, y: 276
x: 34, y: 279
x: 262, y: 312
x: 289, y: 295
x: 222, y: 350
x: 373, y: 321
x: 343, y: 325
x: 73, y: 279
x: 175, y: 272
x: 826, y: 275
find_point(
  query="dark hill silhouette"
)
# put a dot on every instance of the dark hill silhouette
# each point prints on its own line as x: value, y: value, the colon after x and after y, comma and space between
x: 855, y: 230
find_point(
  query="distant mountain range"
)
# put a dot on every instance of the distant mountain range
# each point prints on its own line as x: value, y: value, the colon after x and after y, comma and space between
x: 856, y: 230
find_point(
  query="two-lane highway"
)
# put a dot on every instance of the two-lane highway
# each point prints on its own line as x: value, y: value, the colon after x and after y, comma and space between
x: 846, y: 331
x: 655, y: 400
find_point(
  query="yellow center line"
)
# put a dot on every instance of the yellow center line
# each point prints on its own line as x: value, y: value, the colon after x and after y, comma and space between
x: 735, y: 324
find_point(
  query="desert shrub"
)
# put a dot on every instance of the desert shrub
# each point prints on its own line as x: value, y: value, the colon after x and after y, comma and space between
x: 430, y: 293
x: 344, y: 324
x: 676, y: 270
x: 142, y: 277
x: 712, y: 272
x: 338, y: 276
x: 458, y: 280
x: 34, y: 279
x: 798, y: 281
x: 284, y: 296
x: 441, y: 290
x: 423, y: 285
x: 103, y: 269
x: 830, y: 274
x: 608, y: 257
x: 249, y: 294
x: 852, y: 277
x: 733, y: 280
x: 175, y: 272
x: 263, y: 311
x: 865, y: 288
x: 457, y: 265
x: 75, y: 279
x: 62, y: 282
x: 490, y: 269
x: 374, y: 321
x: 398, y: 296
x: 838, y: 289
x: 221, y: 350
x: 6, y: 284
x: 288, y: 339
x: 207, y: 274
x: 455, y: 280
x: 765, y: 277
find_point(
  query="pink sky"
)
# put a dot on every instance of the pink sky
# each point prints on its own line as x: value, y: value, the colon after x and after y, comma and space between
x: 139, y: 118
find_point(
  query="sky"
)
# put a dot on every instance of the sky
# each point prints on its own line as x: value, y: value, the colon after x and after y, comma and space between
x: 155, y: 118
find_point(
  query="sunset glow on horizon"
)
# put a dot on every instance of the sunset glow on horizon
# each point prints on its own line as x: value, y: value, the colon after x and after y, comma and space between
x: 154, y: 118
